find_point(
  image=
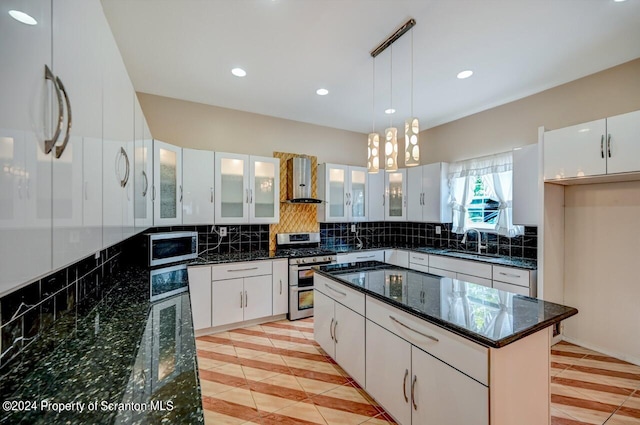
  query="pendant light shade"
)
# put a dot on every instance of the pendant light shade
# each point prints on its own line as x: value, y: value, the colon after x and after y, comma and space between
x: 373, y: 158
x: 391, y: 149
x: 411, y: 147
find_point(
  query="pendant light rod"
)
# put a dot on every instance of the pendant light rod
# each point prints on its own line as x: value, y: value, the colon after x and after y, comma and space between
x: 396, y: 35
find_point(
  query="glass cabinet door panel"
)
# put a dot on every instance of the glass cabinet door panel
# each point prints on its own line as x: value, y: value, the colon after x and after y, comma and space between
x: 168, y: 183
x: 336, y: 192
x: 358, y: 193
x: 232, y: 188
x: 264, y: 189
x: 395, y: 195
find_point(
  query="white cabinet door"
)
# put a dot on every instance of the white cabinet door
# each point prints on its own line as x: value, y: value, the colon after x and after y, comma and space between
x: 623, y: 143
x: 576, y: 151
x: 349, y: 332
x: 280, y: 286
x: 435, y: 193
x: 474, y: 279
x: 388, y: 372
x: 358, y: 178
x: 114, y: 197
x: 264, y: 190
x: 442, y: 272
x: 442, y: 395
x: 92, y: 194
x: 503, y: 286
x: 525, y: 185
x: 396, y: 195
x: 231, y: 192
x: 128, y: 217
x: 397, y: 257
x: 200, y: 295
x: 143, y: 172
x: 227, y: 301
x: 332, y: 188
x: 323, y: 320
x: 167, y: 184
x: 414, y: 193
x: 258, y: 300
x: 376, y: 199
x: 197, y: 181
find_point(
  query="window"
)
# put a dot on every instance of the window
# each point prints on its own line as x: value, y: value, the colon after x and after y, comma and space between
x: 481, y: 195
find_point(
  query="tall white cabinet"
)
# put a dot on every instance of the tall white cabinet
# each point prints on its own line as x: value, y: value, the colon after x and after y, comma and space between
x: 344, y: 190
x: 198, y: 180
x: 428, y: 193
x: 377, y: 198
x: 395, y: 208
x: 168, y: 192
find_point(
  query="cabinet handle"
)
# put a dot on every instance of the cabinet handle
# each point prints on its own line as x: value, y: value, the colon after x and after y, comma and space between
x: 331, y: 329
x: 146, y: 183
x: 128, y: 163
x: 335, y: 290
x: 433, y: 338
x: 246, y: 298
x: 280, y: 286
x: 413, y: 392
x: 242, y: 270
x: 335, y: 334
x: 241, y: 300
x: 211, y: 195
x: 509, y: 274
x: 49, y: 143
x: 251, y: 196
x: 383, y: 199
x: 180, y: 193
x: 60, y: 149
x: 609, y: 145
x: 362, y: 258
x: 602, y: 146
x: 123, y: 154
x: 404, y: 385
x: 419, y: 258
x: 153, y: 197
x: 246, y: 192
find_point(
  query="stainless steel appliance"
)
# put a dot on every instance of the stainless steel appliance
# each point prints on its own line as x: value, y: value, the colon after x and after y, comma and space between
x: 304, y: 252
x: 171, y: 247
x: 299, y: 181
x: 168, y: 281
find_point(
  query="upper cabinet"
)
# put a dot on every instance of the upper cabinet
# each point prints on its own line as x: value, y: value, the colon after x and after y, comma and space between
x: 143, y: 171
x: 376, y: 196
x: 247, y: 189
x: 596, y: 148
x: 167, y: 190
x: 197, y: 180
x: 344, y: 190
x: 396, y: 195
x: 428, y: 193
x: 525, y: 185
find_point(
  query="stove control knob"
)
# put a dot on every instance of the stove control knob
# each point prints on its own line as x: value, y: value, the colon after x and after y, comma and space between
x: 298, y: 261
x: 314, y: 259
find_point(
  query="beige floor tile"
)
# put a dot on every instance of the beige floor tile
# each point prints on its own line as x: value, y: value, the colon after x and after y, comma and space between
x: 378, y: 421
x: 211, y: 389
x: 228, y: 350
x: 240, y: 396
x: 560, y: 414
x: 234, y: 370
x: 619, y: 367
x: 206, y: 364
x: 339, y: 417
x: 254, y: 374
x: 303, y: 411
x: 347, y: 392
x: 311, y: 386
x: 313, y: 365
x: 271, y: 403
x: 294, y: 346
x: 573, y: 348
x: 215, y: 418
x: 206, y: 345
x: 622, y: 420
x: 247, y: 353
x: 600, y: 379
x: 286, y: 381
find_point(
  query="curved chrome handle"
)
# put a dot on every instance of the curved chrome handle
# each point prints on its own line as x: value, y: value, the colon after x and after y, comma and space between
x: 602, y: 146
x: 404, y: 385
x: 280, y: 286
x: 433, y: 338
x: 335, y: 334
x: 241, y: 300
x: 50, y: 143
x: 124, y: 181
x: 181, y: 193
x: 60, y: 149
x: 146, y: 183
x: 118, y: 158
x: 609, y: 145
x: 246, y: 298
x: 331, y: 329
x: 383, y: 199
x: 335, y: 290
x: 413, y: 392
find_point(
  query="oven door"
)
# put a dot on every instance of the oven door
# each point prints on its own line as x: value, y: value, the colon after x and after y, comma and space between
x: 165, y: 248
x: 168, y: 281
x: 300, y: 302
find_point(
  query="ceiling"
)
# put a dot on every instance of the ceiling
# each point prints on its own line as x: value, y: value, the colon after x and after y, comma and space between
x: 185, y: 49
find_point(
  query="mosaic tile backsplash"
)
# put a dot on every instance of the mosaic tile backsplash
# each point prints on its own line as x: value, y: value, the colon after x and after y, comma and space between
x: 399, y: 234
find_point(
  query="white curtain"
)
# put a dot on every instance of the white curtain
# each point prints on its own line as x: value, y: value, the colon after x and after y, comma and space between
x: 495, y: 169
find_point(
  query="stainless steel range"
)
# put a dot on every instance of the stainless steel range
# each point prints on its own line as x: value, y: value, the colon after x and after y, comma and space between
x: 304, y: 252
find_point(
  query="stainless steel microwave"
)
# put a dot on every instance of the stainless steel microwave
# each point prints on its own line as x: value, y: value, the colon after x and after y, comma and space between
x: 171, y: 247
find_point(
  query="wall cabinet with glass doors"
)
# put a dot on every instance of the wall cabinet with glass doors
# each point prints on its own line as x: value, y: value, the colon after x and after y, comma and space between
x: 343, y: 189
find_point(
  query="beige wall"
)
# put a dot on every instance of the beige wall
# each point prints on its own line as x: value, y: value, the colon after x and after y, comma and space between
x: 610, y: 92
x: 601, y: 267
x: 199, y: 126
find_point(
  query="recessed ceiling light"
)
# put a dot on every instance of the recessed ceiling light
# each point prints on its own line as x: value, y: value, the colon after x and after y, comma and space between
x: 22, y: 17
x: 389, y: 111
x: 238, y: 72
x: 465, y: 74
x: 322, y: 92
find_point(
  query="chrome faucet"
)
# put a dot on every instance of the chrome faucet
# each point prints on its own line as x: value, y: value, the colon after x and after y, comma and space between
x: 480, y: 246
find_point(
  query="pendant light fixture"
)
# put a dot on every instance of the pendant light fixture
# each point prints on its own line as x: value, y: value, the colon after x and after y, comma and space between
x: 373, y: 157
x: 411, y: 129
x: 411, y: 126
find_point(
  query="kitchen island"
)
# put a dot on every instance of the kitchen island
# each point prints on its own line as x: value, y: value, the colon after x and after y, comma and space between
x: 432, y: 349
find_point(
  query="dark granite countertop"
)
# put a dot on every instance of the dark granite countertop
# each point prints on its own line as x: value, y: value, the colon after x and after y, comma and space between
x: 120, y: 349
x: 487, y: 316
x: 232, y: 257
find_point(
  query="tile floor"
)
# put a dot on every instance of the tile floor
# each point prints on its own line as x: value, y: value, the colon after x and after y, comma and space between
x: 276, y: 374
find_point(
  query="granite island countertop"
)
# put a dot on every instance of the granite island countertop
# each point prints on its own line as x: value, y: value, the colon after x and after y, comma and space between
x: 122, y: 351
x: 233, y: 257
x: 486, y: 316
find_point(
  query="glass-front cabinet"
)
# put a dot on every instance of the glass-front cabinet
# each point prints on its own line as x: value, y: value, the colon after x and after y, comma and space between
x: 344, y: 190
x: 247, y: 189
x: 396, y: 195
x: 167, y: 184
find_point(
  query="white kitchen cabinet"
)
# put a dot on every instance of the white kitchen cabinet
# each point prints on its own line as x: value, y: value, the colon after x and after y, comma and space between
x: 519, y: 281
x: 503, y: 286
x: 280, y: 286
x: 397, y: 257
x: 247, y: 189
x: 396, y: 196
x: 359, y: 256
x: 323, y: 312
x: 525, y: 185
x: 442, y: 272
x: 143, y: 168
x: 200, y: 295
x: 348, y: 334
x: 115, y: 163
x: 442, y: 395
x: 344, y: 190
x: 258, y: 300
x: 623, y: 143
x: 428, y: 193
x: 376, y: 198
x: 92, y: 194
x: 228, y: 301
x: 197, y: 181
x: 167, y: 184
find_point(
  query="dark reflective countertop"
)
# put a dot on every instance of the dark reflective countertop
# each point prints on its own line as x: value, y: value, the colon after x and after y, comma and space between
x: 484, y: 315
x: 231, y: 257
x: 123, y: 351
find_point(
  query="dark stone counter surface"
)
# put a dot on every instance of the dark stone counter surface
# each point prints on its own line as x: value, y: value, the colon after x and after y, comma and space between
x: 232, y: 257
x: 487, y: 316
x: 120, y: 350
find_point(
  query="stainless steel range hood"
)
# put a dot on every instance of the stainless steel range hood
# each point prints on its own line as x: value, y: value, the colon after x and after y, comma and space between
x: 299, y: 184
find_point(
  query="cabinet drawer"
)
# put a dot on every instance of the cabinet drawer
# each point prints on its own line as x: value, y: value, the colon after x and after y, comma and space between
x: 474, y: 279
x: 472, y: 268
x: 367, y: 256
x: 444, y: 273
x: 418, y: 258
x: 464, y: 355
x: 511, y: 288
x: 346, y: 296
x: 241, y: 269
x: 510, y: 275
